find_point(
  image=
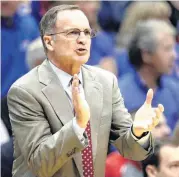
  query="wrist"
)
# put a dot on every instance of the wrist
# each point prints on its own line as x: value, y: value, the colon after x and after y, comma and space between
x: 137, y: 133
x: 81, y: 124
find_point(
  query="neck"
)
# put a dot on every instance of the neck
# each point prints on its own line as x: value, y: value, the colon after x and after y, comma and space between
x: 70, y: 68
x: 150, y: 76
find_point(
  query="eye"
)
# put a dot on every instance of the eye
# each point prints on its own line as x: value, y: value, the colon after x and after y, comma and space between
x: 87, y: 33
x: 73, y: 32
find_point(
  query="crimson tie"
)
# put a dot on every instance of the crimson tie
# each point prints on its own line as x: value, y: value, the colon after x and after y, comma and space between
x: 87, y: 156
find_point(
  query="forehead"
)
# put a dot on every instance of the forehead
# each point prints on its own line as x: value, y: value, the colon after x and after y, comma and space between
x: 169, y: 154
x: 72, y: 19
x: 162, y: 36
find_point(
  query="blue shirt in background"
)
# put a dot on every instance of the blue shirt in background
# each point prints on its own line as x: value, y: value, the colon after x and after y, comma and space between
x: 16, y: 33
x: 102, y: 45
x: 134, y: 92
x: 123, y: 63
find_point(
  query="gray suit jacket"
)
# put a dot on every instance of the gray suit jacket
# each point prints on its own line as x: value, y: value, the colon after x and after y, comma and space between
x: 45, y: 143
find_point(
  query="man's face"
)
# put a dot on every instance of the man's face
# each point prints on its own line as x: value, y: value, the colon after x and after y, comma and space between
x: 169, y: 162
x: 163, y: 58
x: 9, y: 8
x: 162, y: 130
x: 67, y: 49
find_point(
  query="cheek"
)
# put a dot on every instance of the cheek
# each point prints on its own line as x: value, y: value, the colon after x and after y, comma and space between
x: 64, y: 47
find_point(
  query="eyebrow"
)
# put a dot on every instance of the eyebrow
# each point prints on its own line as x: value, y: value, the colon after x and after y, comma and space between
x: 77, y: 29
x: 174, y: 162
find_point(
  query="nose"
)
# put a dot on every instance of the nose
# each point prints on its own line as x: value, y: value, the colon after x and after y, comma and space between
x: 82, y: 39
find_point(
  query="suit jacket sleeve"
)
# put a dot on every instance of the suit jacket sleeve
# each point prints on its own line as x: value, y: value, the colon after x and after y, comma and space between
x: 45, y: 153
x: 121, y: 135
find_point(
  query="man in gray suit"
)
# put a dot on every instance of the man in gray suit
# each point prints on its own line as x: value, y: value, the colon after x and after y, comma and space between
x: 64, y: 113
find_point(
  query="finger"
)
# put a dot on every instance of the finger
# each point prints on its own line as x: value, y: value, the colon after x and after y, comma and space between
x: 158, y: 116
x: 149, y: 97
x: 75, y: 76
x: 161, y: 107
x: 75, y: 90
x: 158, y: 113
x: 75, y: 82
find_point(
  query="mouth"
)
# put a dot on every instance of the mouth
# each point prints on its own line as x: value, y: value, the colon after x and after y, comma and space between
x: 81, y: 51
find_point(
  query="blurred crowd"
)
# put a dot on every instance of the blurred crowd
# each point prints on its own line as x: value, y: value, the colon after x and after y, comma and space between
x: 136, y: 40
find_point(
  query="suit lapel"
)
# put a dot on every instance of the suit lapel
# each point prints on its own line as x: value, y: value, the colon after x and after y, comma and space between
x: 94, y: 97
x: 55, y: 93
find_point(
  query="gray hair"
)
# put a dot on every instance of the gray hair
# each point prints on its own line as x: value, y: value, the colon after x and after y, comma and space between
x: 145, y: 38
x: 146, y: 33
x: 48, y: 21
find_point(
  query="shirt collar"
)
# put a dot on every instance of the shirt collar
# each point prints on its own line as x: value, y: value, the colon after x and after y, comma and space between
x: 142, y: 82
x: 64, y: 77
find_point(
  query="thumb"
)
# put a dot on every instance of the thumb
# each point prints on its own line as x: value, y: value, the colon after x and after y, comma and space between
x: 149, y: 97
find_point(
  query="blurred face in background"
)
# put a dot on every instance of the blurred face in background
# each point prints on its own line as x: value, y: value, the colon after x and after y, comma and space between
x: 162, y: 60
x: 90, y: 8
x: 169, y: 162
x: 162, y: 130
x: 9, y: 8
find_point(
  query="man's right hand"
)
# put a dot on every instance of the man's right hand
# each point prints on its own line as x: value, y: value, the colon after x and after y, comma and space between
x: 81, y: 106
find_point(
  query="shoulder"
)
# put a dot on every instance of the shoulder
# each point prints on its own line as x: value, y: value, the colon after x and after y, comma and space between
x: 28, y: 82
x: 101, y: 75
x: 170, y: 82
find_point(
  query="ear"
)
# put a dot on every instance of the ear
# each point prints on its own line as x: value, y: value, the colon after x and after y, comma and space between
x: 151, y: 171
x: 146, y: 57
x: 49, y: 42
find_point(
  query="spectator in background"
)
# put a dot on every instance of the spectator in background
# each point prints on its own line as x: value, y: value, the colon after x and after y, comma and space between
x: 39, y: 8
x: 174, y: 18
x: 113, y: 13
x: 136, y: 11
x: 103, y: 46
x: 164, y: 162
x: 141, y: 11
x: 35, y: 53
x: 17, y: 30
x: 152, y: 54
x: 4, y: 133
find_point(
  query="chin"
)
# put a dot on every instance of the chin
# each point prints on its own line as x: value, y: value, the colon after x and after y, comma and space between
x: 81, y: 59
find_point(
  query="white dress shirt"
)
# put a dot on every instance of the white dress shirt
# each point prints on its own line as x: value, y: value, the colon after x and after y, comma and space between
x: 65, y: 79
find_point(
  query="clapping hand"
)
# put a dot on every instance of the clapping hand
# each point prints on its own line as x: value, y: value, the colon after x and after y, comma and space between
x: 81, y: 106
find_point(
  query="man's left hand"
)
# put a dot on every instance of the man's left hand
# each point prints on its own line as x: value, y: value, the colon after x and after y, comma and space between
x: 146, y: 118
